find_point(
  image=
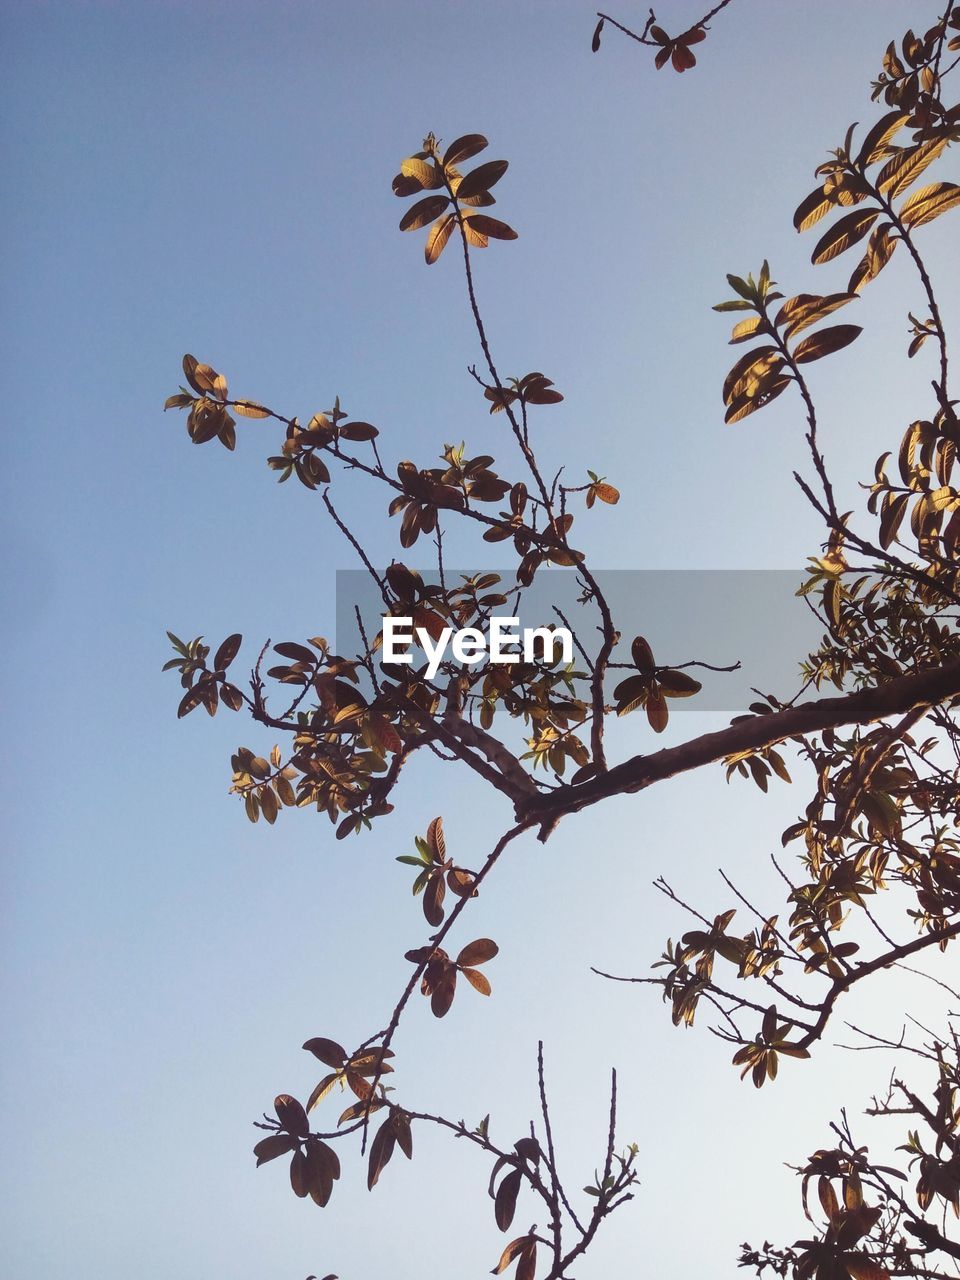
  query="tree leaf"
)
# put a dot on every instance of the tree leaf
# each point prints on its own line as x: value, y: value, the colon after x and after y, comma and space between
x: 298, y: 1174
x: 481, y: 179
x: 825, y: 341
x: 743, y: 406
x: 487, y: 226
x: 807, y: 308
x: 424, y: 211
x: 828, y: 1198
x: 505, y: 1202
x: 477, y: 980
x: 657, y: 712
x: 435, y: 838
x: 846, y: 232
x: 420, y: 171
x: 381, y: 1149
x: 328, y: 1051
x: 512, y: 1251
x: 928, y: 203
x: 464, y: 148
x: 875, y: 143
x: 677, y: 684
x: 811, y: 209
x: 880, y: 249
x: 443, y: 993
x: 322, y: 1090
x: 291, y: 1115
x: 894, y: 509
x: 747, y: 370
x: 433, y: 900
x: 278, y: 1144
x: 437, y: 238
x: 905, y: 167
x: 478, y: 952
x: 227, y: 652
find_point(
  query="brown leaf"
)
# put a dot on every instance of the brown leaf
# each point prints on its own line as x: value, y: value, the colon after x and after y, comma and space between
x: 928, y: 203
x: 505, y: 1202
x: 677, y: 684
x: 328, y: 1051
x: 894, y: 509
x: 291, y: 1115
x: 424, y: 211
x: 437, y: 238
x: 269, y: 806
x: 743, y: 406
x: 478, y: 952
x: 435, y: 838
x: 358, y: 431
x: 481, y: 179
x: 249, y: 409
x: 381, y: 1149
x: 403, y: 186
x: 642, y: 655
x: 526, y: 1268
x: 298, y: 1174
x: 808, y: 308
x: 418, y: 170
x: 828, y: 1198
x: 847, y: 231
x: 189, y: 702
x: 443, y: 993
x: 825, y: 341
x: 322, y: 1090
x: 477, y: 980
x: 875, y: 143
x: 278, y: 1144
x: 483, y: 224
x: 512, y: 1251
x: 897, y: 174
x: 812, y: 209
x: 200, y: 376
x: 880, y: 249
x: 323, y: 1167
x: 682, y: 58
x: 433, y: 900
x: 401, y: 1129
x: 464, y: 148
x: 748, y: 370
x: 227, y: 652
x: 657, y: 711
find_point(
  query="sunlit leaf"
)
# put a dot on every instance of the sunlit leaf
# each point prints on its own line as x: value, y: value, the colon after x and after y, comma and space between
x: 481, y: 179
x: 846, y: 232
x: 825, y: 341
x: 928, y: 203
x: 483, y: 224
x: 464, y: 148
x: 424, y: 211
x: 438, y: 236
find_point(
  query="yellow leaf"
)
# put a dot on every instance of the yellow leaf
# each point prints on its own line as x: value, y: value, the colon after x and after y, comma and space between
x: 929, y: 202
x: 437, y: 238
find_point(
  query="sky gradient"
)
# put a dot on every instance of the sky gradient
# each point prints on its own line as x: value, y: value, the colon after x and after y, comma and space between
x: 215, y: 178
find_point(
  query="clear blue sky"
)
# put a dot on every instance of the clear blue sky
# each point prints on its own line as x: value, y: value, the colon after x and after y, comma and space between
x: 215, y: 178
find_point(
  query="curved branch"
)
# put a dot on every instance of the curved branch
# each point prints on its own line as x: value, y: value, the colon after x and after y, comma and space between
x: 895, y: 697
